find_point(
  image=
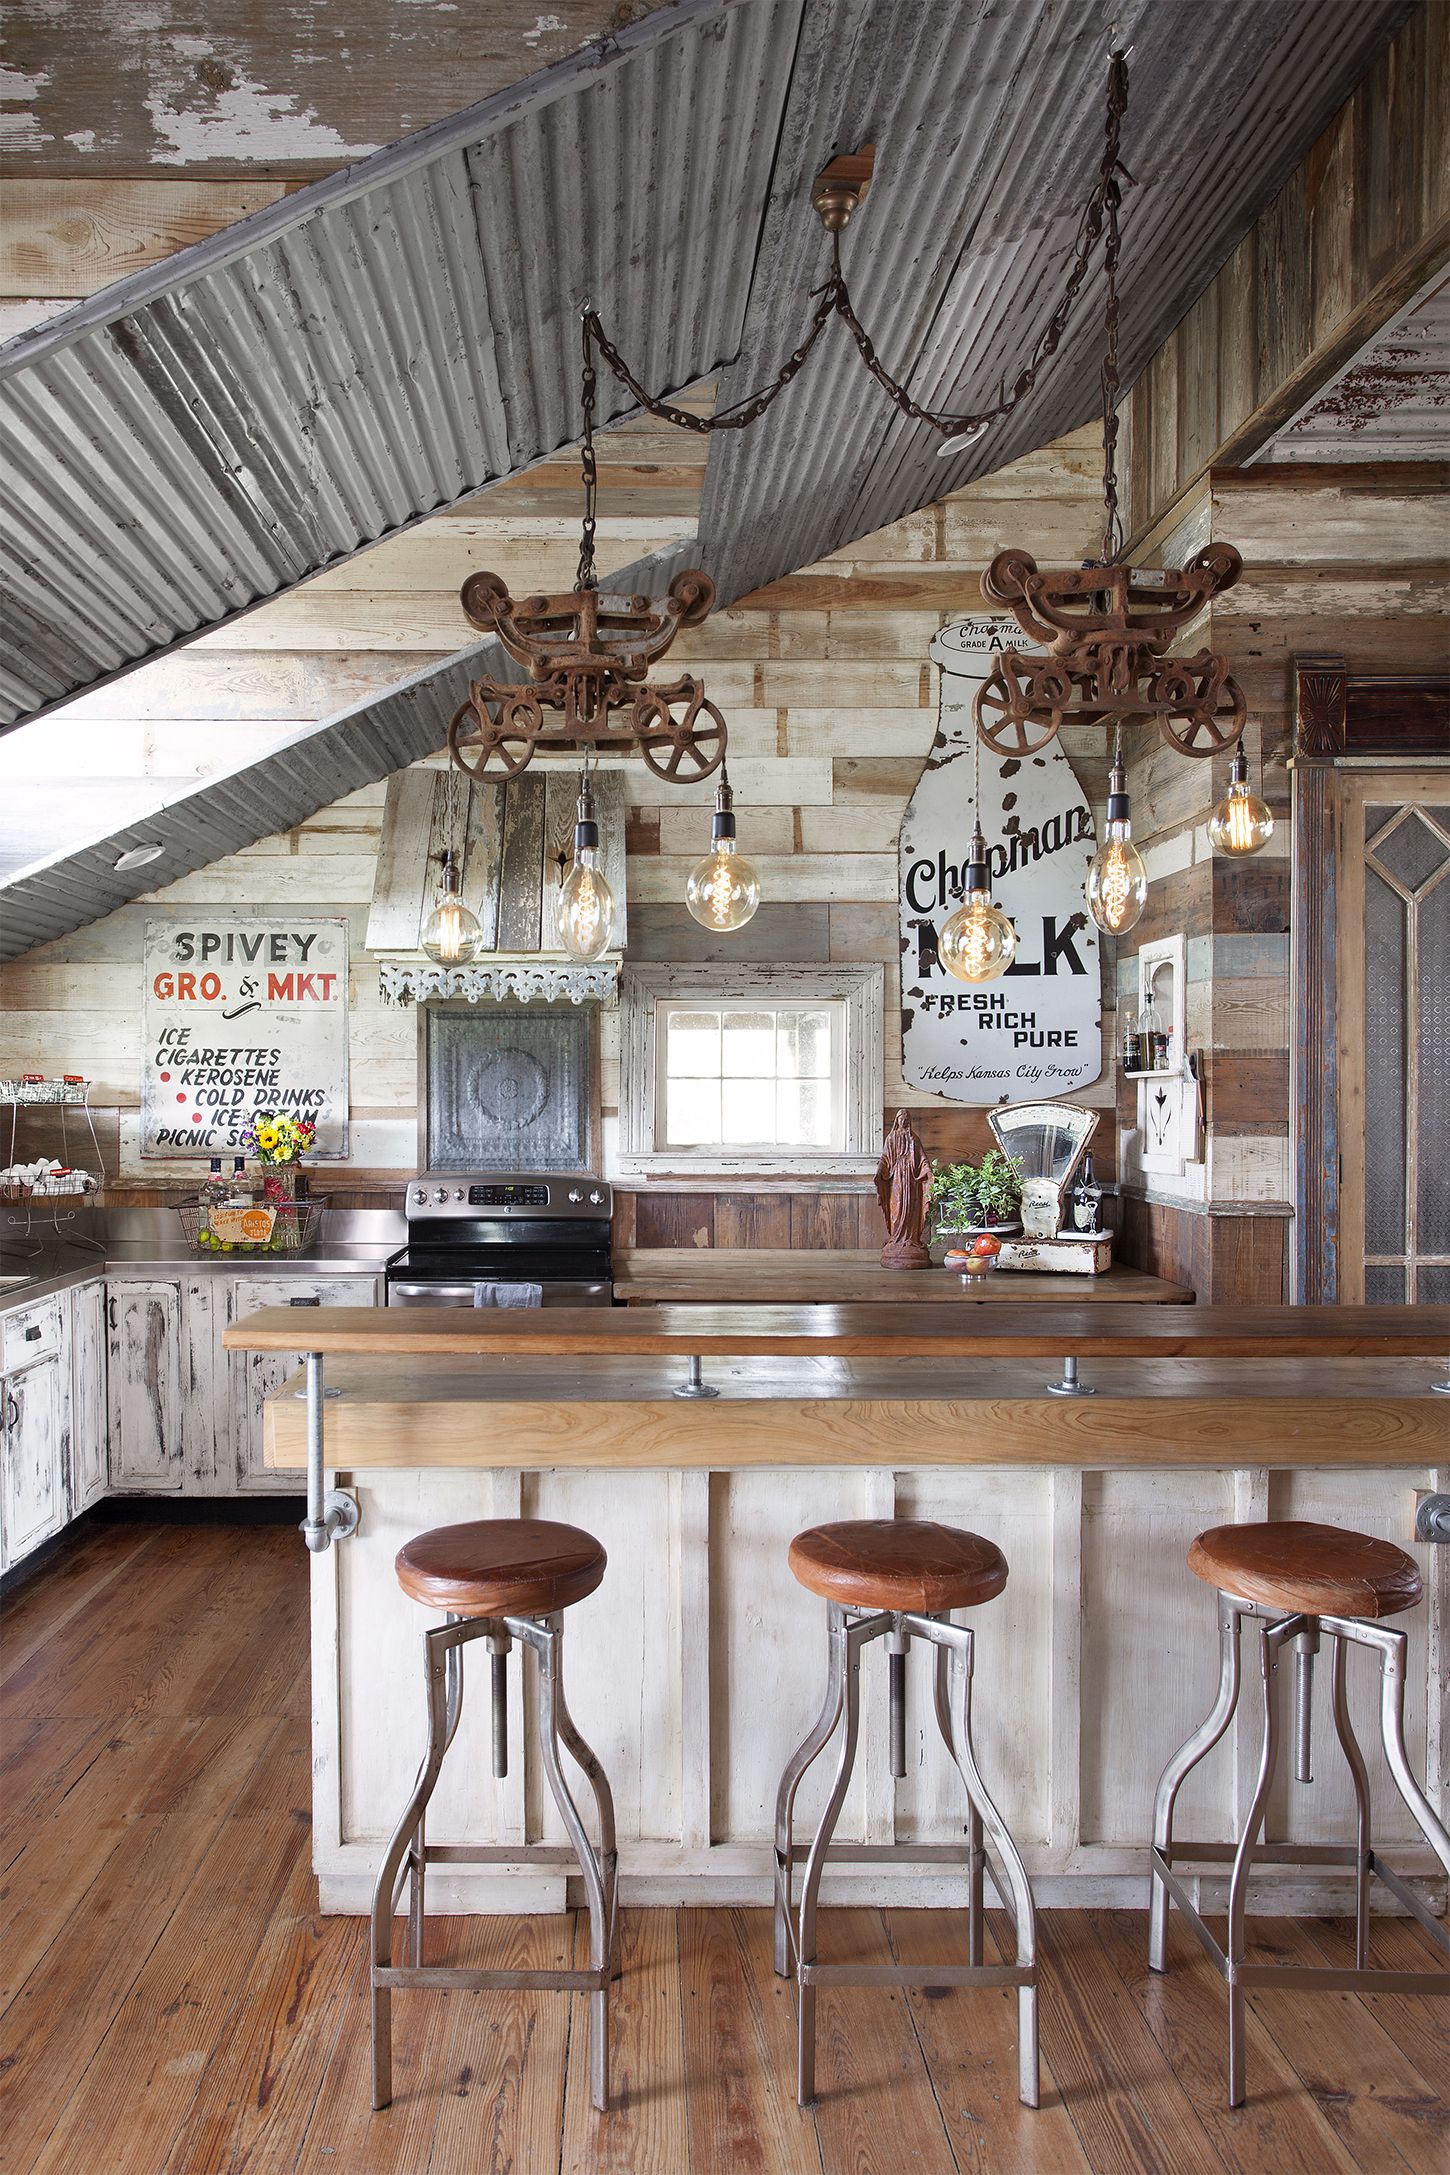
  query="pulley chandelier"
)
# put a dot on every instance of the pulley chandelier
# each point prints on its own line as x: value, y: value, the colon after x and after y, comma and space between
x: 589, y: 652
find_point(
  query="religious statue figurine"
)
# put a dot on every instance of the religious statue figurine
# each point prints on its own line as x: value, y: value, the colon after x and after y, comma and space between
x: 903, y: 1187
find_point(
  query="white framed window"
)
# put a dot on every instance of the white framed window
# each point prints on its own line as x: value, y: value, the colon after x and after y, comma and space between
x: 751, y: 1069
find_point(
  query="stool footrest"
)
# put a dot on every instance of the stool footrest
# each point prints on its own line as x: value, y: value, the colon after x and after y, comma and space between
x: 462, y: 1979
x: 1328, y: 1978
x: 919, y: 1974
x: 519, y: 1857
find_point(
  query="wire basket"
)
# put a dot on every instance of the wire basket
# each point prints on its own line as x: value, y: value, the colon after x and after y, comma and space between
x: 292, y: 1226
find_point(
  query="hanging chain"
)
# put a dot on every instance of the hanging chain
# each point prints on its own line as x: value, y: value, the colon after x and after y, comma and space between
x: 1112, y: 251
x: 1099, y: 218
x: 588, y: 465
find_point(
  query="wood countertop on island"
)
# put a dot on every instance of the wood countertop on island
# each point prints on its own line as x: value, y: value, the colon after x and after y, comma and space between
x: 961, y: 1327
x: 812, y: 1276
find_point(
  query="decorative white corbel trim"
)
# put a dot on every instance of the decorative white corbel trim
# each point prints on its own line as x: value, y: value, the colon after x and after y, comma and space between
x: 412, y: 981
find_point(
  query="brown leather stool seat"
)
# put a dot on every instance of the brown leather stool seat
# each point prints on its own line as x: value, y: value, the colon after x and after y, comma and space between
x: 501, y: 1567
x: 898, y: 1563
x: 1306, y: 1569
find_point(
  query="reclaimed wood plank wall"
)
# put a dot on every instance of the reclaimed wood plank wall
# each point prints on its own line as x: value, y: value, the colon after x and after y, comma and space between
x: 1349, y: 557
x: 832, y: 708
x: 1356, y: 231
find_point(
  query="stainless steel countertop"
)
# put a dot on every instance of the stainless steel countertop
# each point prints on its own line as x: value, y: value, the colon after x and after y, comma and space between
x: 147, y: 1242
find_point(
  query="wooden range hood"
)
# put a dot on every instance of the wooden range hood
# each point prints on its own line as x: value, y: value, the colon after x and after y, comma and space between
x: 512, y: 842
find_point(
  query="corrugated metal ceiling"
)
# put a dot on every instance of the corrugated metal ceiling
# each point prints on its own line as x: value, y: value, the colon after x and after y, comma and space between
x: 378, y: 346
x: 373, y: 349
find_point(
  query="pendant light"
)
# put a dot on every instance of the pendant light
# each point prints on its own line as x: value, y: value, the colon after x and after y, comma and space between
x: 723, y: 889
x: 1117, y: 882
x: 585, y: 907
x: 977, y: 942
x: 451, y: 935
x: 1242, y: 823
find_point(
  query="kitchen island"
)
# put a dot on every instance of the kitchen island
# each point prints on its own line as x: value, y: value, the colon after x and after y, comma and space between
x: 696, y: 1666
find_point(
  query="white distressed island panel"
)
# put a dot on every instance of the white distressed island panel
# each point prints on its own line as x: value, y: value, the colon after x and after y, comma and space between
x: 698, y: 1666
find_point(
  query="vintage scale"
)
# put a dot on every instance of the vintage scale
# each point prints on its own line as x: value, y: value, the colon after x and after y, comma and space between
x: 1049, y: 1141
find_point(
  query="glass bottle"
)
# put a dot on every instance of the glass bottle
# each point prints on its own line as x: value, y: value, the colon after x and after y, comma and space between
x: 213, y: 1186
x: 1130, y: 1047
x: 240, y: 1190
x: 1150, y: 1036
x: 1087, y: 1197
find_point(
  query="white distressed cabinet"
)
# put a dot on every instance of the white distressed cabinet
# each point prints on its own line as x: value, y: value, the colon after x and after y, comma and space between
x: 87, y: 1395
x: 252, y: 1377
x: 144, y: 1384
x: 34, y: 1429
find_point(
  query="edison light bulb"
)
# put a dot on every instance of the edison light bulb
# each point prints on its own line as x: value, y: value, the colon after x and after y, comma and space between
x: 585, y: 909
x: 451, y: 934
x: 1242, y: 823
x: 1117, y: 882
x: 977, y: 942
x: 723, y: 889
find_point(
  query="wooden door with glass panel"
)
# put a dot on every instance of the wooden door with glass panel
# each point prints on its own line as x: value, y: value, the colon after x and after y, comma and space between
x: 1394, y: 1037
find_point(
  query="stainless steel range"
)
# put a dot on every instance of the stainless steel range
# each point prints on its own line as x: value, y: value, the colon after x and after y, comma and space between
x: 478, y: 1239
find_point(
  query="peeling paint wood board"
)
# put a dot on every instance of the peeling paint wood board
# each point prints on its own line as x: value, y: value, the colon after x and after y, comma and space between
x: 521, y: 863
x: 69, y: 238
x: 1036, y: 1031
x: 398, y: 885
x: 483, y: 859
x: 242, y: 1014
x: 254, y: 88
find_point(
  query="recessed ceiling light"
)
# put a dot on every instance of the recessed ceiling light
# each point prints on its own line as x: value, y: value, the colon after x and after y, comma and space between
x: 138, y: 857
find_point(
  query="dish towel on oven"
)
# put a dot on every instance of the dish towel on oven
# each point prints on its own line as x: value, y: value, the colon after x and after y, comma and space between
x: 487, y: 1292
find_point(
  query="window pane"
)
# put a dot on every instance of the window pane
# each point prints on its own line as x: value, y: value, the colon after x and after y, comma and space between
x: 750, y: 1112
x: 693, y: 1115
x: 804, y: 1113
x: 749, y: 1045
x: 1385, y: 1069
x: 693, y: 1045
x: 804, y: 1045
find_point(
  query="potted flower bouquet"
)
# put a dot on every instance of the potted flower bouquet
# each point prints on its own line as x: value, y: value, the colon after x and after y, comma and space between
x: 279, y: 1141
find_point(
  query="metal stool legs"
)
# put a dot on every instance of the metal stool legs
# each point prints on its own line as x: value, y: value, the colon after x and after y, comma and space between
x: 1306, y: 1633
x: 409, y: 1854
x: 989, y: 1846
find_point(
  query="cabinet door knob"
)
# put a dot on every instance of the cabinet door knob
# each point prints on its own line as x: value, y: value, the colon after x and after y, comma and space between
x: 32, y: 1334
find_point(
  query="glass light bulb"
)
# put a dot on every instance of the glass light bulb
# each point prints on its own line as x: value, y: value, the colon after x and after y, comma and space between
x: 585, y: 910
x: 451, y: 934
x: 723, y: 889
x: 1241, y: 824
x: 977, y: 942
x: 1117, y: 882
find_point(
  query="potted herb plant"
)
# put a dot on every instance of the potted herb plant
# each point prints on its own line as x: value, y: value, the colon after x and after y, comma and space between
x: 999, y: 1190
x: 953, y: 1201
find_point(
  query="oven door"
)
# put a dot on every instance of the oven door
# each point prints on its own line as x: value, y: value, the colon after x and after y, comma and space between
x: 460, y: 1294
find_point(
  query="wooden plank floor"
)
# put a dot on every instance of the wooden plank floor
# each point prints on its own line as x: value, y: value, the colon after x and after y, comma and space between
x: 173, y: 2004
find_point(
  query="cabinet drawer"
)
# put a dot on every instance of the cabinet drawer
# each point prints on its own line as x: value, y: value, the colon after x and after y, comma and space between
x: 30, y: 1333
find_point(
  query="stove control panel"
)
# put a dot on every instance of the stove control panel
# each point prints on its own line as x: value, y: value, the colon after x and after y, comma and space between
x: 470, y: 1194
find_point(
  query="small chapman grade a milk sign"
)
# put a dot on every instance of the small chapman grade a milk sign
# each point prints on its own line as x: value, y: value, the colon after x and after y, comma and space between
x: 1037, y: 1031
x: 240, y: 1016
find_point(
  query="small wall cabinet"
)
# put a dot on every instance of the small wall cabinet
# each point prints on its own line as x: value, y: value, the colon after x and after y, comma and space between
x: 1168, y: 1094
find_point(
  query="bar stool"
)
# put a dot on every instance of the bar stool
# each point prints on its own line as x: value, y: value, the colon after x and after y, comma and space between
x: 1302, y: 1584
x: 501, y: 1579
x: 899, y: 1580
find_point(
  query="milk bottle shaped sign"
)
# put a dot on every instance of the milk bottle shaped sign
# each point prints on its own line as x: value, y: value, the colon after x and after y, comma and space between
x: 1036, y: 1032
